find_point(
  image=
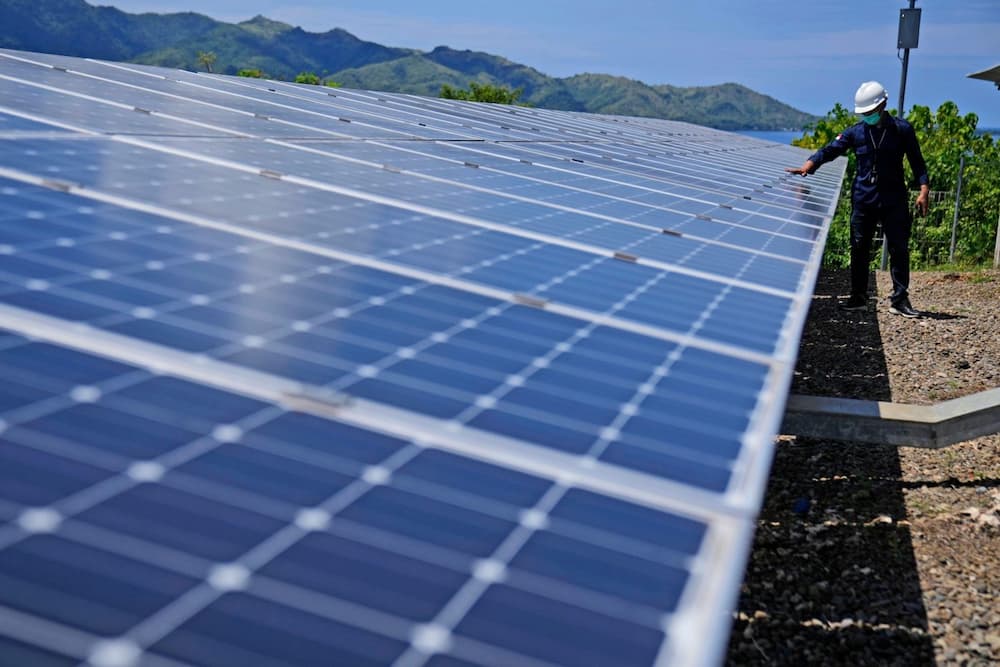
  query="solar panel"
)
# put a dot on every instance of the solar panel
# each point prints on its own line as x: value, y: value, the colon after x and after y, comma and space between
x: 300, y: 376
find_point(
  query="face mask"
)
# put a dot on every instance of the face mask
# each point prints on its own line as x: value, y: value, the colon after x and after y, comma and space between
x: 872, y: 118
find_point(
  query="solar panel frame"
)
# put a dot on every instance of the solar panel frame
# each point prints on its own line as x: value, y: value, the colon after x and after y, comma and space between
x: 517, y: 148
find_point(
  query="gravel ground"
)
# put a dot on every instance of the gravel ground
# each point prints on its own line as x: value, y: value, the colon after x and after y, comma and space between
x: 873, y: 555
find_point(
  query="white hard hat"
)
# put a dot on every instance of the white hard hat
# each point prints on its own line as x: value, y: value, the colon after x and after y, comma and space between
x: 869, y: 95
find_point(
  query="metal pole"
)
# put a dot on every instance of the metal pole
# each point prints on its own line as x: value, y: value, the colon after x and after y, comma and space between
x: 902, y: 82
x: 958, y: 204
x: 996, y: 248
x: 900, y: 110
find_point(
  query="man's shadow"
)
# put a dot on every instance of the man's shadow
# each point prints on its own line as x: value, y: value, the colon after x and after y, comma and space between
x: 833, y: 571
x: 930, y: 315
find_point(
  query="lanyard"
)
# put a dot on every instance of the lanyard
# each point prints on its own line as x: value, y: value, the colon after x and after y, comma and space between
x: 872, y: 177
x: 871, y: 138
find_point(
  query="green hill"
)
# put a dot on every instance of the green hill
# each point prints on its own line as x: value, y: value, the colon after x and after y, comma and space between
x: 74, y: 27
x: 411, y: 74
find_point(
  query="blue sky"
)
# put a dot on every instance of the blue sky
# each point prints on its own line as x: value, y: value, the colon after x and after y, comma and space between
x: 806, y: 53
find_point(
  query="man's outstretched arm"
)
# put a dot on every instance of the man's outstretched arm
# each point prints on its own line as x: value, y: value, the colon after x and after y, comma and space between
x: 807, y: 168
x: 831, y: 151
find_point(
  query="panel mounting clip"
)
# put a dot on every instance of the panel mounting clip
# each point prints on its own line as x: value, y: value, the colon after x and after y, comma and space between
x: 528, y: 300
x: 626, y: 257
x: 317, y: 401
x: 61, y: 186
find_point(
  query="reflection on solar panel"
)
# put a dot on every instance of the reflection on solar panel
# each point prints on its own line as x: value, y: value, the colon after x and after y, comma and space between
x: 300, y: 376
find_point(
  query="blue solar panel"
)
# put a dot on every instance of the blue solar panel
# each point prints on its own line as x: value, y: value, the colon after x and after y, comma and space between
x: 297, y: 376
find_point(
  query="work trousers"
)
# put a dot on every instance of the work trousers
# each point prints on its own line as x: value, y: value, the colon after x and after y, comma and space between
x: 896, y: 223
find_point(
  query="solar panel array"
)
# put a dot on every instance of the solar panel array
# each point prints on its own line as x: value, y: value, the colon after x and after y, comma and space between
x: 296, y: 375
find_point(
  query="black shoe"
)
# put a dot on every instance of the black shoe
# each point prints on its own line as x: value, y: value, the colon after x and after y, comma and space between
x: 903, y: 307
x: 856, y: 302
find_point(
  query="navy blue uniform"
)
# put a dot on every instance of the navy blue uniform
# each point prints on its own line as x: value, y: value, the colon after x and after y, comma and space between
x: 879, y: 194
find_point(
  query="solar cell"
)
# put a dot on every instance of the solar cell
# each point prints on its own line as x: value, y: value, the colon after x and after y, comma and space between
x: 295, y: 375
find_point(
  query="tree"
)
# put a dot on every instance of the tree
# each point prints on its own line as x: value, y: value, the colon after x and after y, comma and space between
x: 307, y: 77
x: 482, y: 92
x: 251, y: 73
x: 206, y: 59
x: 945, y: 137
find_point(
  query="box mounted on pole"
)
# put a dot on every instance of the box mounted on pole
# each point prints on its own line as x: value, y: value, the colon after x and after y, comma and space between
x: 909, y: 28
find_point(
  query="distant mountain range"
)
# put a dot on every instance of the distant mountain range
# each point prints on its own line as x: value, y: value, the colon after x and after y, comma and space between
x: 74, y: 27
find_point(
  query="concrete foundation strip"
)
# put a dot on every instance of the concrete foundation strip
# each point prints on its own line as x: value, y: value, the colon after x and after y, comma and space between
x: 931, y: 426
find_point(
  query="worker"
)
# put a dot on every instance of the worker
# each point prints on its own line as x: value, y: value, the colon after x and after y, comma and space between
x: 879, y: 193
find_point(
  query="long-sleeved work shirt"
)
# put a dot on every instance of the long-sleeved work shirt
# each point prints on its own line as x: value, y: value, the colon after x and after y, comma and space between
x: 879, y: 150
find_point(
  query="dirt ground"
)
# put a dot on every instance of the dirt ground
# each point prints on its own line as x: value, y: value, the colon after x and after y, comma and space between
x: 876, y: 555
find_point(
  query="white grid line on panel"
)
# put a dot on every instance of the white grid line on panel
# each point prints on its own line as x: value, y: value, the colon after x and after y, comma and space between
x: 600, y: 477
x: 118, y: 105
x: 426, y: 276
x: 550, y: 204
x: 265, y: 101
x: 167, y: 619
x: 441, y: 213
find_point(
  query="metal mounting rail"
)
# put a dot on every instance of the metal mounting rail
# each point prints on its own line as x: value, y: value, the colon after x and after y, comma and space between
x: 931, y: 426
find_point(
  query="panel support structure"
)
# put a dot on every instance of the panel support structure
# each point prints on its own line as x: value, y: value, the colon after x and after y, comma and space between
x: 878, y: 422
